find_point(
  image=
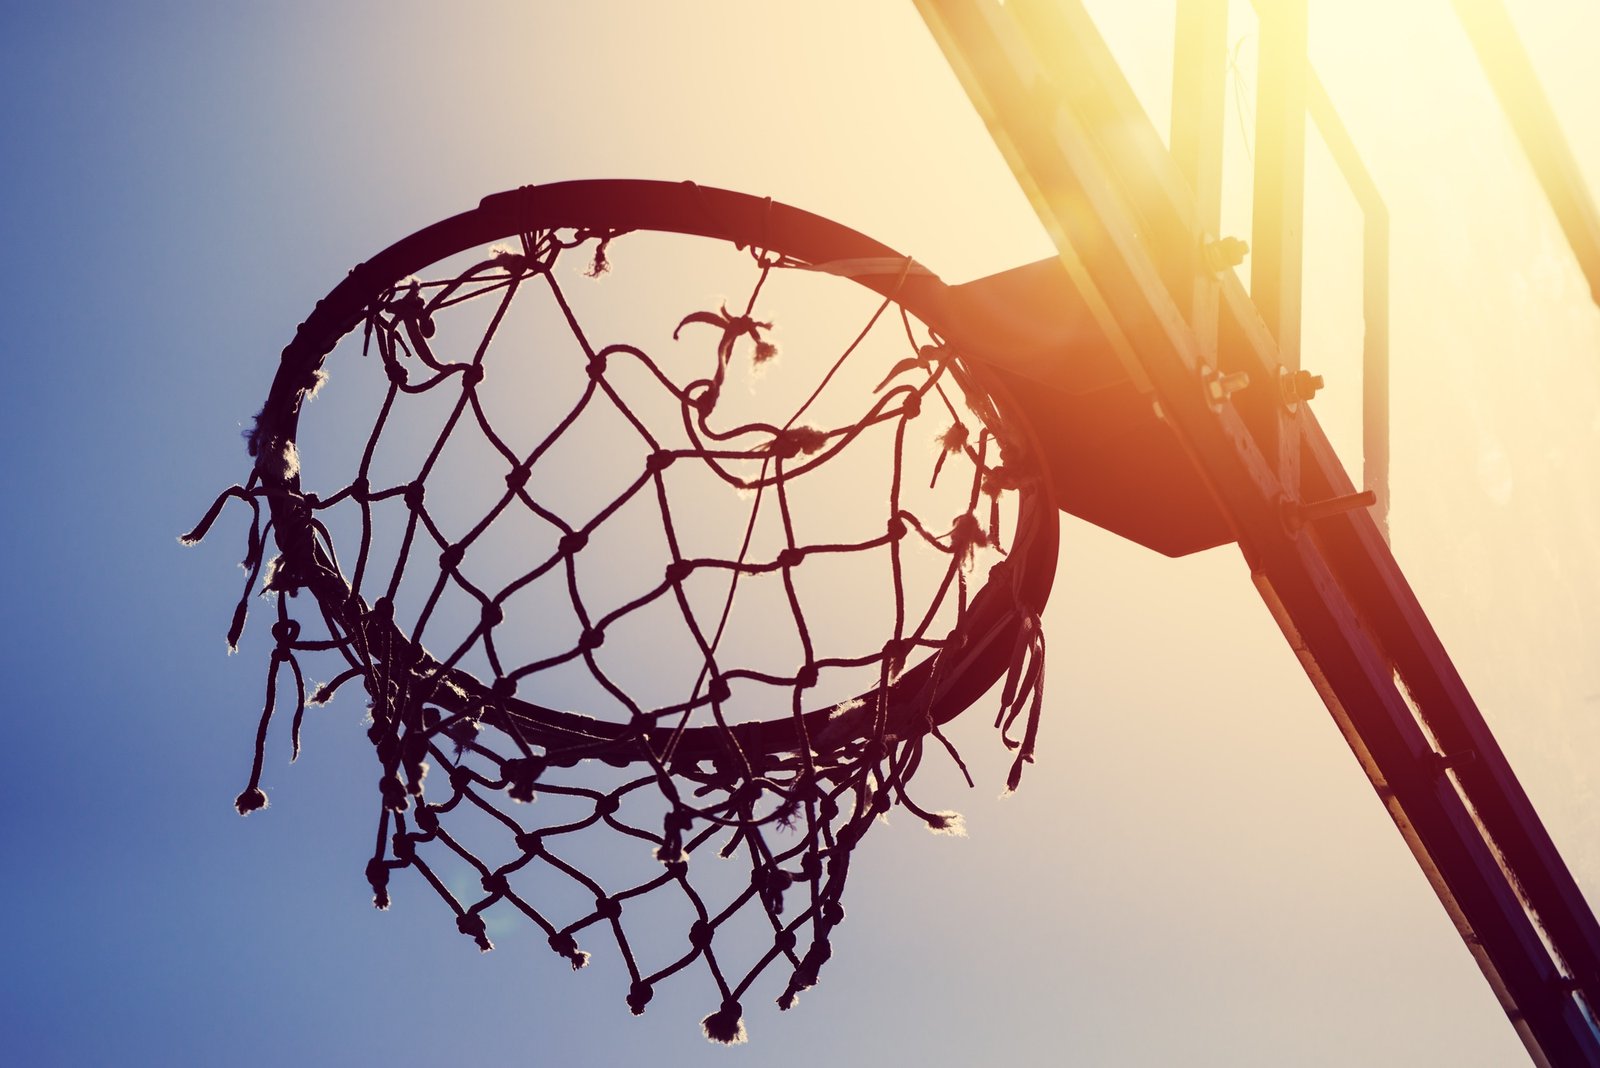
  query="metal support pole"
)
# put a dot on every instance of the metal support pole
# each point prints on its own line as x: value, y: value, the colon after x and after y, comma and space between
x: 1278, y: 213
x: 1199, y: 90
x: 1277, y: 218
x: 1374, y: 296
x: 1516, y: 83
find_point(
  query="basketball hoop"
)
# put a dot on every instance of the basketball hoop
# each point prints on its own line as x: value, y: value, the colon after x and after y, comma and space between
x: 647, y: 604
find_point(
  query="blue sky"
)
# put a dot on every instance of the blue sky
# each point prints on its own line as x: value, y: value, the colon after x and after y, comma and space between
x: 1194, y: 872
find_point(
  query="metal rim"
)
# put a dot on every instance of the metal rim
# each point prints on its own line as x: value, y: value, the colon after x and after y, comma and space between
x: 997, y: 617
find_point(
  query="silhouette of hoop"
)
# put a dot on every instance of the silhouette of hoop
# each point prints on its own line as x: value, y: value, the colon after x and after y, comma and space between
x: 821, y: 774
x: 1000, y: 612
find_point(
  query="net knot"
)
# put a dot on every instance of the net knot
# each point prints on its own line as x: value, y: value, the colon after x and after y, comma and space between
x: 572, y: 544
x: 746, y: 795
x: 718, y: 690
x: 796, y: 441
x: 503, y: 688
x: 805, y: 976
x: 249, y: 801
x: 496, y: 885
x: 911, y: 407
x: 607, y: 908
x: 607, y: 805
x: 967, y: 536
x: 405, y: 850
x: 591, y: 639
x: 285, y: 632
x: 658, y: 461
x: 450, y: 558
x: 394, y: 793
x: 567, y: 946
x: 997, y: 480
x: 896, y: 651
x: 531, y: 845
x: 378, y: 877
x: 770, y: 883
x: 954, y: 439
x: 428, y: 819
x: 784, y: 941
x: 493, y: 615
x: 408, y: 305
x: 414, y: 494
x: 521, y: 774
x: 679, y: 570
x: 517, y: 477
x: 471, y: 924
x: 806, y: 677
x: 702, y: 396
x: 472, y: 376
x: 726, y: 1025
x: 639, y: 995
x: 514, y: 263
x: 414, y: 747
x: 700, y: 933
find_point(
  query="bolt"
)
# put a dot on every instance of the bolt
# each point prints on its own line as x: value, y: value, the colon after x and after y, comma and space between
x: 1327, y: 509
x: 1301, y: 386
x: 1226, y: 252
x: 1439, y: 763
x: 1220, y: 387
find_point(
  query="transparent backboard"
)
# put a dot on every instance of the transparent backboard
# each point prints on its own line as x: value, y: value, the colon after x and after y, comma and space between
x: 1494, y: 357
x: 1494, y: 386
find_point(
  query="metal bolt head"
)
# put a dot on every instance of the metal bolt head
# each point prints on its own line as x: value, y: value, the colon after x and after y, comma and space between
x: 1225, y: 253
x: 1220, y: 387
x: 1301, y: 386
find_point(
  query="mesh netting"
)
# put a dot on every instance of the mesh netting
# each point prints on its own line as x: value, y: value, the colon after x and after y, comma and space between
x: 625, y: 607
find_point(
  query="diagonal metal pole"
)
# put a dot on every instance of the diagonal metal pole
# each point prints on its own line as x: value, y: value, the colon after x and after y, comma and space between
x: 1516, y: 83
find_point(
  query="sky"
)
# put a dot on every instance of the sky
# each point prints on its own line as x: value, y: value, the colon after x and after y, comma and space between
x: 1194, y: 871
